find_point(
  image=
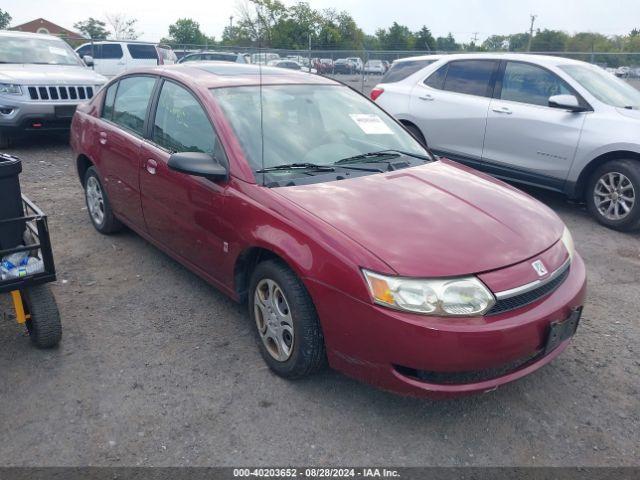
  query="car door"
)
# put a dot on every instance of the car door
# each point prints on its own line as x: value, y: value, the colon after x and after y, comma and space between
x: 120, y: 137
x: 451, y: 105
x: 109, y: 59
x: 182, y: 212
x: 526, y: 139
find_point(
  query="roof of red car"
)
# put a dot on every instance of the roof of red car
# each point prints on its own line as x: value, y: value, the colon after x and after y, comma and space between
x: 226, y: 74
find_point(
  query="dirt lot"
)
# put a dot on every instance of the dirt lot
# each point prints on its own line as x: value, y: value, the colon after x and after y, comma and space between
x: 158, y: 368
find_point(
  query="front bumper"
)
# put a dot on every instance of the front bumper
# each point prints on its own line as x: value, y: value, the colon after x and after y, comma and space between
x: 30, y: 117
x: 383, y: 347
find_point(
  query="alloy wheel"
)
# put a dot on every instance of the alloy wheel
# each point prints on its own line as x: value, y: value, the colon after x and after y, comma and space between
x: 273, y: 319
x: 95, y: 200
x: 614, y: 196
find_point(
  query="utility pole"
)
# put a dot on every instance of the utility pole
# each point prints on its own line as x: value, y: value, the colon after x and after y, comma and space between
x: 474, y: 39
x: 533, y: 20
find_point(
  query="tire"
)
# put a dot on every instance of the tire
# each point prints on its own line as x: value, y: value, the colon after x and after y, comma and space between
x: 99, y: 208
x: 307, y: 353
x: 44, y: 327
x: 624, y: 175
x: 416, y: 133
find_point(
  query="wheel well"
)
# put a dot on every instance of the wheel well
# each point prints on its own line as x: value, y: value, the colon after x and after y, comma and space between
x: 245, y: 264
x: 83, y: 164
x: 581, y: 184
x: 408, y: 123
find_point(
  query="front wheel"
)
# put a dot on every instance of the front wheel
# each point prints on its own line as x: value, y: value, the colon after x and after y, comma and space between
x: 290, y: 337
x: 612, y: 195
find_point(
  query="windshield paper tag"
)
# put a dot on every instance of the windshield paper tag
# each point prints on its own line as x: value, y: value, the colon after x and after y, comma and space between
x: 371, y: 124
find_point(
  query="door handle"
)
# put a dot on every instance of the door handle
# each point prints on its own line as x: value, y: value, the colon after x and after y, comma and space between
x: 505, y: 110
x: 103, y: 138
x: 151, y: 166
x: 427, y: 97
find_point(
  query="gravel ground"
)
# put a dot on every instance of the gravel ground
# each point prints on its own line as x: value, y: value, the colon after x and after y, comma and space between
x: 158, y: 368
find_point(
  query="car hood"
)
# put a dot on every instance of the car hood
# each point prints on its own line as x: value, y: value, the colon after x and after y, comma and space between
x: 435, y: 220
x: 30, y: 74
x: 625, y: 112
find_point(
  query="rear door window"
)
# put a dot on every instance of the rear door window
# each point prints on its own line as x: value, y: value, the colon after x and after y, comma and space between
x: 472, y: 77
x: 108, y: 51
x: 401, y: 70
x: 526, y: 83
x: 132, y: 101
x: 141, y: 51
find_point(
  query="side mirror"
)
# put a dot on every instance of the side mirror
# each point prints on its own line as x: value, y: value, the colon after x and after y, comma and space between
x: 566, y: 102
x: 197, y: 164
x: 88, y: 60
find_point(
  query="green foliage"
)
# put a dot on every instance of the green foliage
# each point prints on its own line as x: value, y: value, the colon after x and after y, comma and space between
x: 549, y: 41
x: 186, y: 32
x: 447, y: 44
x: 5, y: 19
x: 93, y: 28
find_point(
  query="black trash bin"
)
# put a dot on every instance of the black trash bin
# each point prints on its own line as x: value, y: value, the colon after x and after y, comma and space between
x: 10, y: 202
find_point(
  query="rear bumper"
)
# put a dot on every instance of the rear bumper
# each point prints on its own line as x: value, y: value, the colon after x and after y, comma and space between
x: 382, y: 346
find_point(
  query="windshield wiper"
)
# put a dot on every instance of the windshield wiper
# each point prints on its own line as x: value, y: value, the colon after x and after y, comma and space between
x: 298, y: 166
x: 378, y: 157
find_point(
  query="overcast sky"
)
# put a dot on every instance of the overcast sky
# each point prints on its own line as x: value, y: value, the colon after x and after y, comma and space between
x: 461, y: 17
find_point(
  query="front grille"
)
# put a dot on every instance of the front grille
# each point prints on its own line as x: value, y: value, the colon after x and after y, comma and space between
x: 518, y: 301
x: 60, y: 92
x: 474, y: 376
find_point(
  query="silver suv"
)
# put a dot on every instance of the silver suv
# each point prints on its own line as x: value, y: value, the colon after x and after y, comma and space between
x: 546, y: 121
x: 41, y: 81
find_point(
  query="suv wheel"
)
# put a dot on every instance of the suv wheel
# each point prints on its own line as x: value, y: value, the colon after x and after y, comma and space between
x: 612, y: 195
x: 290, y: 337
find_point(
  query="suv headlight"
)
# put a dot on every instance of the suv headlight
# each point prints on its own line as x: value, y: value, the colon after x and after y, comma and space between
x: 10, y: 88
x: 461, y: 297
x: 567, y: 240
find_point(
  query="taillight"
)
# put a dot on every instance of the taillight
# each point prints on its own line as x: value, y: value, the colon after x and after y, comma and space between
x: 375, y: 93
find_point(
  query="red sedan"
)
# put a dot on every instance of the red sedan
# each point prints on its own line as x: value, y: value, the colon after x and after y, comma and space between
x: 351, y: 244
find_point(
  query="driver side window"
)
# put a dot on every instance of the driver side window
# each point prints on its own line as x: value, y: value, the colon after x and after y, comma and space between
x: 526, y: 83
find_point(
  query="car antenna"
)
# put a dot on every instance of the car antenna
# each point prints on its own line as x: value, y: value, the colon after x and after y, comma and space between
x: 260, y: 53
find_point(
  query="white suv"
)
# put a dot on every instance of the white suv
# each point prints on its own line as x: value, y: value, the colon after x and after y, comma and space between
x: 546, y: 121
x: 112, y: 58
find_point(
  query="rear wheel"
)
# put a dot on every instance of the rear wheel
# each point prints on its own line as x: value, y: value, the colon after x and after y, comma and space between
x: 44, y: 326
x: 612, y: 194
x: 290, y: 337
x: 98, y: 204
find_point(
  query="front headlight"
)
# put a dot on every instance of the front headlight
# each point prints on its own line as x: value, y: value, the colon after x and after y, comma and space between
x: 567, y: 240
x: 448, y: 297
x: 10, y: 88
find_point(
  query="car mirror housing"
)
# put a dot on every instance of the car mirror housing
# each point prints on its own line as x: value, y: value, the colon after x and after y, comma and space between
x: 198, y: 164
x: 88, y: 60
x: 566, y: 102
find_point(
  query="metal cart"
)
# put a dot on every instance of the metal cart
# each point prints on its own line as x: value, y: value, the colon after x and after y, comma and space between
x: 24, y: 230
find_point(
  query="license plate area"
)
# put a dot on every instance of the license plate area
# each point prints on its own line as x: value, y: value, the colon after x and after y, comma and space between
x: 64, y: 111
x: 562, y: 330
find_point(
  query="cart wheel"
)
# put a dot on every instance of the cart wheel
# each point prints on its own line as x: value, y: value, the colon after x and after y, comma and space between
x: 44, y: 324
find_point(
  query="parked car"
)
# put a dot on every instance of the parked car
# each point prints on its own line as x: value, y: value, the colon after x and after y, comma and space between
x: 215, y: 56
x: 622, y: 72
x: 344, y: 65
x: 348, y: 240
x: 110, y: 58
x: 375, y: 67
x: 264, y: 57
x: 324, y: 65
x: 42, y: 80
x: 387, y: 65
x: 546, y: 121
x: 291, y: 65
x: 357, y: 63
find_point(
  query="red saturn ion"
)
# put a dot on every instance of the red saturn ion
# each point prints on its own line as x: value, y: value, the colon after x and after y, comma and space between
x: 351, y: 244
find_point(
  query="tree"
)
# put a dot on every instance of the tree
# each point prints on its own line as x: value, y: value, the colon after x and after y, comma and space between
x: 549, y: 41
x: 93, y: 28
x: 5, y: 19
x: 518, y: 42
x: 398, y: 37
x: 447, y: 44
x: 424, y: 40
x: 124, y: 28
x: 496, y: 43
x: 186, y: 32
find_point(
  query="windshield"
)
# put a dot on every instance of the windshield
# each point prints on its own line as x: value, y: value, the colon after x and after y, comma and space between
x: 23, y: 49
x: 318, y: 124
x: 604, y: 86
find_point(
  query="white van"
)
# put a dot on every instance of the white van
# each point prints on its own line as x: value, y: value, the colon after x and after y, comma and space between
x: 111, y: 58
